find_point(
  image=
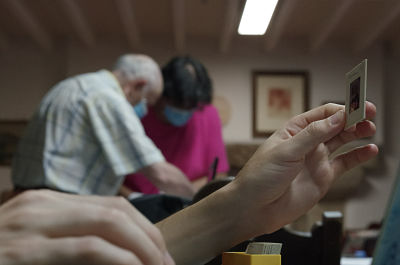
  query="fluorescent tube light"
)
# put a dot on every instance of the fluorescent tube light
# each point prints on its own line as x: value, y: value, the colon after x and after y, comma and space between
x: 256, y: 16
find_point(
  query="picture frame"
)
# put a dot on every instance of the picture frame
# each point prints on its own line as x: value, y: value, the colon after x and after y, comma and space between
x: 11, y: 132
x: 277, y: 96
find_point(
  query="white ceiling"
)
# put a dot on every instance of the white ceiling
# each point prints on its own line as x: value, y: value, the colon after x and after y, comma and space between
x: 355, y: 24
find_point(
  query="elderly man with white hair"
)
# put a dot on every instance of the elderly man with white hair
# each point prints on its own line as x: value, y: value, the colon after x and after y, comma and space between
x: 85, y: 138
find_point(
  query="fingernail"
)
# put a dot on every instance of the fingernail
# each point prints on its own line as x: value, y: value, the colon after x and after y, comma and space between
x: 168, y: 260
x: 337, y: 117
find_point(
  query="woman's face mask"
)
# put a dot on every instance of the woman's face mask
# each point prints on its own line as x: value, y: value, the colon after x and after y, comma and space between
x: 177, y: 117
x: 141, y: 109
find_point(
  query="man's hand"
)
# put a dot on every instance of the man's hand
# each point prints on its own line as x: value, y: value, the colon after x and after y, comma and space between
x: 294, y: 169
x: 288, y: 174
x: 46, y: 227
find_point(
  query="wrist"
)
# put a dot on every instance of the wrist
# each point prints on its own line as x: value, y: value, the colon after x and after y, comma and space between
x: 239, y: 214
x: 254, y: 214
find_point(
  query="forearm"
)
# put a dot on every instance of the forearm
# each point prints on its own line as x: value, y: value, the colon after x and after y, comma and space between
x: 169, y: 179
x: 199, y: 233
x: 124, y: 191
x: 175, y: 182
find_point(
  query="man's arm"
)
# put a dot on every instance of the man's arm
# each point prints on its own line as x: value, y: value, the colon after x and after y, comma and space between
x: 169, y: 179
x: 288, y: 174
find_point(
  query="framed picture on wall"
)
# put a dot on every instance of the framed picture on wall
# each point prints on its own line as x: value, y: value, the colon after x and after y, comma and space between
x: 10, y: 133
x: 277, y: 96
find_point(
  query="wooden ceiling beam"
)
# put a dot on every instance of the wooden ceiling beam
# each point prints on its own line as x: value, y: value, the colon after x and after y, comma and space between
x: 78, y: 21
x: 30, y: 23
x: 391, y: 14
x: 279, y: 22
x: 230, y: 24
x: 329, y: 26
x: 178, y: 16
x: 125, y: 12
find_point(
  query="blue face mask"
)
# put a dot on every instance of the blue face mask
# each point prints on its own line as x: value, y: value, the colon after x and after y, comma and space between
x: 177, y: 117
x: 140, y: 109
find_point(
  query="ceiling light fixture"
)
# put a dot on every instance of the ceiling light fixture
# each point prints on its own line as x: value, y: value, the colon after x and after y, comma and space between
x: 256, y: 16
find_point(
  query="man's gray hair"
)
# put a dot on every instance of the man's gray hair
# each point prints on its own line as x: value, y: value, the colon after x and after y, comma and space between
x: 134, y: 66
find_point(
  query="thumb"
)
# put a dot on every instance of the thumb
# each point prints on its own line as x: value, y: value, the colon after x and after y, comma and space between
x: 315, y: 133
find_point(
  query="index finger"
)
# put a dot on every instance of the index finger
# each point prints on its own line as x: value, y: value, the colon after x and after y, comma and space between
x: 301, y: 121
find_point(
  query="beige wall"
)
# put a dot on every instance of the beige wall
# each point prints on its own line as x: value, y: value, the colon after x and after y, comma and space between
x: 26, y: 74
